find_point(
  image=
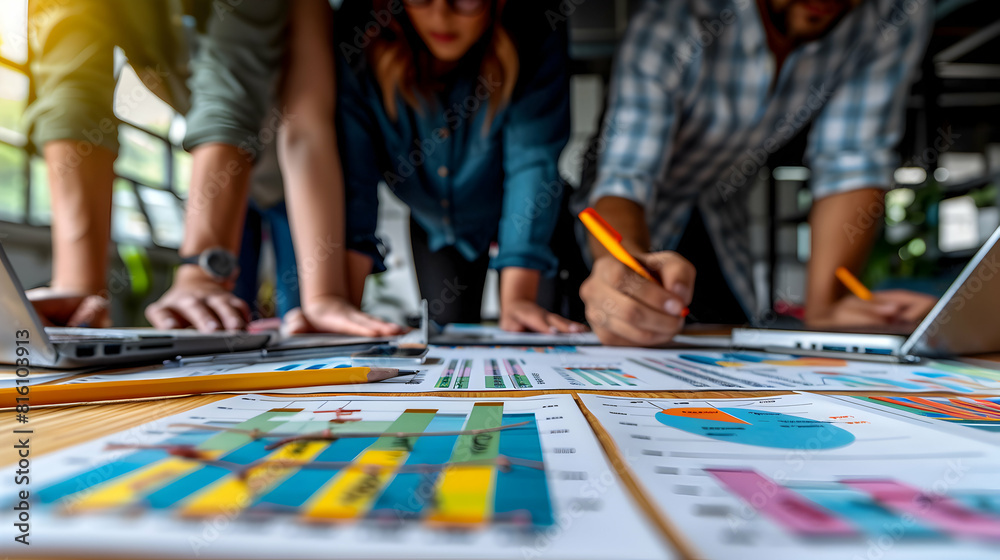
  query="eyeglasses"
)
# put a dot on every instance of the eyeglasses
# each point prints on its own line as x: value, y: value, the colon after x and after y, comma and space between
x: 461, y: 7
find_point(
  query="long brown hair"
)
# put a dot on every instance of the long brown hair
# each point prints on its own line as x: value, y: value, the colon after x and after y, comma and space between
x: 401, y: 61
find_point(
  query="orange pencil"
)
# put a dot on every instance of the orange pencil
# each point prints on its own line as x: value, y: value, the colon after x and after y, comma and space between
x: 853, y: 284
x: 611, y: 240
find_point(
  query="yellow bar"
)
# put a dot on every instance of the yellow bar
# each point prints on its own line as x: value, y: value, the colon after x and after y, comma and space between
x: 463, y: 495
x: 232, y: 494
x: 354, y: 490
x: 128, y: 488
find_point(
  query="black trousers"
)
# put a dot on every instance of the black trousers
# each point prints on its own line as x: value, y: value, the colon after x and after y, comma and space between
x: 453, y: 286
x: 713, y: 301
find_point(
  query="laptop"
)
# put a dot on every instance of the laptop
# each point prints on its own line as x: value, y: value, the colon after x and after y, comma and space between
x: 56, y: 347
x: 966, y: 320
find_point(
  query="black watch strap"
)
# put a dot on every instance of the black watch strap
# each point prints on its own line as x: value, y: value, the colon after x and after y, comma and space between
x: 217, y: 262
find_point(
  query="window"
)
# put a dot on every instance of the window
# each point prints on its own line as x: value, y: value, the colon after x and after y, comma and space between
x: 13, y: 199
x: 165, y: 213
x: 13, y: 30
x: 128, y: 223
x: 153, y: 172
x: 13, y: 100
x: 142, y: 157
x: 41, y: 199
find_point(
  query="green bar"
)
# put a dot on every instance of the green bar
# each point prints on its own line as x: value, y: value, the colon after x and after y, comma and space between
x: 585, y: 377
x: 361, y: 427
x: 604, y: 376
x: 899, y: 406
x: 480, y: 446
x: 963, y: 369
x: 412, y: 420
x: 621, y: 377
x: 445, y: 379
x: 517, y: 376
x: 494, y: 380
x: 228, y: 441
x: 465, y: 373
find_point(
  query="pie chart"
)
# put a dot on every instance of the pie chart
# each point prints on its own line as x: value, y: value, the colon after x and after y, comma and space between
x: 763, y: 428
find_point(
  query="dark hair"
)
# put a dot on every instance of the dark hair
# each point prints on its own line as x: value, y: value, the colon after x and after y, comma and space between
x: 401, y: 62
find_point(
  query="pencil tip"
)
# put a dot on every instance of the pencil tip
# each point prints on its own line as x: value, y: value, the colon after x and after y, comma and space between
x: 381, y: 374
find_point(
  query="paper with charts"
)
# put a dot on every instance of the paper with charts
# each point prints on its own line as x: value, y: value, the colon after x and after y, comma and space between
x: 807, y: 477
x: 479, y: 368
x: 533, y: 368
x: 980, y: 414
x: 267, y: 477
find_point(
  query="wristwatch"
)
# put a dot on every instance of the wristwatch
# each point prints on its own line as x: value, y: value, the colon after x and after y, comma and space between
x: 217, y: 262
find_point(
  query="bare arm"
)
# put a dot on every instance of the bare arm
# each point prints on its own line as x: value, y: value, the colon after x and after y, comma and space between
x: 81, y: 187
x: 844, y: 227
x: 219, y: 184
x: 629, y: 219
x: 232, y: 89
x: 331, y: 283
x: 213, y: 218
x: 310, y: 161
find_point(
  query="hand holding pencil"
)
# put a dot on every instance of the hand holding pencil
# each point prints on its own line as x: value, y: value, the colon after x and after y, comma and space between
x: 634, y: 299
x: 865, y: 308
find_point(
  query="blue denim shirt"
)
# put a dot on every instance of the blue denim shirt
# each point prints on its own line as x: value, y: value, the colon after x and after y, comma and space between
x: 464, y: 185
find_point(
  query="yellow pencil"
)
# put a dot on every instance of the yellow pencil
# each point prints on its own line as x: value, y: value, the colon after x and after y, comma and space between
x: 853, y: 284
x: 143, y: 388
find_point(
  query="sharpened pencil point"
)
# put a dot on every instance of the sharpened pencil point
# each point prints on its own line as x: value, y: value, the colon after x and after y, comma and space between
x: 381, y: 374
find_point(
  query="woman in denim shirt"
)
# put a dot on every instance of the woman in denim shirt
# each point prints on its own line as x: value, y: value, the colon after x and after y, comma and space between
x: 462, y: 108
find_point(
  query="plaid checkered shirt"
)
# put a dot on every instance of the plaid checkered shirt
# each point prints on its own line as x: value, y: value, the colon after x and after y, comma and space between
x: 692, y: 115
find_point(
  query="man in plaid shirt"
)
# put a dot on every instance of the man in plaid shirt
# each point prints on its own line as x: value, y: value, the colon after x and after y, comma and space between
x: 703, y: 91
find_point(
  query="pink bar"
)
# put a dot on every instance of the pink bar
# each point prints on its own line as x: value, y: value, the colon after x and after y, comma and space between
x: 792, y: 511
x: 940, y: 511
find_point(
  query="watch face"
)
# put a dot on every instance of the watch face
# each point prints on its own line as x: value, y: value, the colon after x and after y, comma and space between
x: 219, y: 263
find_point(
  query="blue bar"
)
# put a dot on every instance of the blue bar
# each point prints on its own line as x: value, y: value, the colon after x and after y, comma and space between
x: 100, y: 475
x: 738, y: 357
x: 706, y: 360
x: 986, y: 503
x: 298, y: 488
x: 523, y: 489
x: 197, y: 480
x: 125, y: 465
x: 410, y: 493
x: 289, y: 367
x: 858, y: 509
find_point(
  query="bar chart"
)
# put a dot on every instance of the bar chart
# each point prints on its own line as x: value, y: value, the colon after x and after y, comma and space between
x: 294, y: 477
